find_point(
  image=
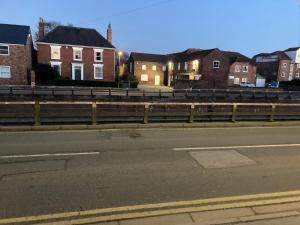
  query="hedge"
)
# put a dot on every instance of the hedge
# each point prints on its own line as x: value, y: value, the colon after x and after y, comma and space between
x: 79, y: 83
x: 293, y: 85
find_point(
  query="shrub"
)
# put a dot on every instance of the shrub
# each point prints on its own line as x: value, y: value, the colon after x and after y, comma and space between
x: 79, y: 83
x: 45, y: 72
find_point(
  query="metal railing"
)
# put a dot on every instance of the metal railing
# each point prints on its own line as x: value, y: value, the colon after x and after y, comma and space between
x: 94, y: 112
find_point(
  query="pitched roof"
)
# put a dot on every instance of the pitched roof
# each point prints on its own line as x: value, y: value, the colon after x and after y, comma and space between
x: 281, y: 55
x: 76, y: 36
x: 236, y: 57
x: 292, y: 49
x: 14, y: 34
x: 136, y: 56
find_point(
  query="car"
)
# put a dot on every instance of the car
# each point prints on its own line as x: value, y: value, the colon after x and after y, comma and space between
x: 247, y: 84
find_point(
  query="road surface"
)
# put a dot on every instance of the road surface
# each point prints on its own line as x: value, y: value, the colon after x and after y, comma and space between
x: 54, y: 172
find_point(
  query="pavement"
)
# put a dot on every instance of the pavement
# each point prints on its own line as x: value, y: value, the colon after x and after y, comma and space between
x: 234, y: 175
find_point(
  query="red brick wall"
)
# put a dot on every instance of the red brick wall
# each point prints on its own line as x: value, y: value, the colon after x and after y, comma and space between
x: 250, y: 75
x: 66, y: 54
x: 17, y: 60
x: 151, y: 73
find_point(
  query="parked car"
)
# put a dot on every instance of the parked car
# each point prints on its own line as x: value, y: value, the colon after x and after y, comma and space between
x: 247, y: 84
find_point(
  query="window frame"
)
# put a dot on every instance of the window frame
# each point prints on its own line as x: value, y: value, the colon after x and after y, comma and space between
x: 5, y: 77
x: 56, y: 64
x: 238, y: 68
x: 144, y: 80
x: 247, y: 69
x: 75, y: 49
x: 95, y: 55
x: 98, y: 66
x: 185, y: 66
x: 8, y: 50
x: 53, y: 47
x: 144, y: 67
x: 218, y: 62
x: 154, y: 67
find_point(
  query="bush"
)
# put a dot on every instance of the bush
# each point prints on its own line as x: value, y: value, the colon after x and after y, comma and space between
x: 45, y: 72
x: 79, y: 83
x: 293, y: 85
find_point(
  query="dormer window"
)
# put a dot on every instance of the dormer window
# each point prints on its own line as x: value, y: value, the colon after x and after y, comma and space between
x: 98, y: 55
x: 4, y: 50
x: 77, y: 53
x: 55, y: 52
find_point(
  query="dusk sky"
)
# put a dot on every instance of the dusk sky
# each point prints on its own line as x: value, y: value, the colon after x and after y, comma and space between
x: 166, y: 26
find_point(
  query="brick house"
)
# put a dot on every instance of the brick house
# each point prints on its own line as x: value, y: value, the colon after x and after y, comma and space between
x: 294, y: 54
x: 149, y: 69
x: 16, y: 49
x: 77, y: 53
x: 242, y: 69
x: 275, y: 67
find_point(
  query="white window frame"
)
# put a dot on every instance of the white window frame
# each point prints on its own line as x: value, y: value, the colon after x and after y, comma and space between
x: 298, y: 66
x: 164, y: 68
x: 218, y: 62
x: 56, y: 64
x: 75, y: 49
x: 185, y: 66
x: 143, y: 76
x: 9, y: 69
x: 55, y: 47
x: 73, y: 70
x: 179, y: 66
x: 95, y: 55
x: 284, y: 65
x: 236, y: 81
x: 297, y: 75
x: 245, y: 70
x: 8, y: 53
x: 244, y: 80
x: 238, y: 68
x: 282, y: 74
x: 154, y: 67
x: 98, y: 66
x: 144, y: 67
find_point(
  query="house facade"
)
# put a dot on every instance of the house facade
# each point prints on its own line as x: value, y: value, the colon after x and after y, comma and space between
x: 77, y: 53
x: 16, y: 49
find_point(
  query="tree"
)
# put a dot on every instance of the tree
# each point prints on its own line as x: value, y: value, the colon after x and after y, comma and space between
x: 45, y: 72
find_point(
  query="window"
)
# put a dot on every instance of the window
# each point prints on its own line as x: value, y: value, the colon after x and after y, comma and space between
x: 195, y: 64
x: 98, y: 55
x: 4, y: 50
x: 55, y: 52
x: 298, y: 66
x: 216, y: 64
x: 154, y: 68
x: 244, y: 80
x: 291, y: 68
x: 5, y: 72
x: 245, y: 69
x: 164, y: 68
x: 297, y: 75
x: 77, y: 54
x: 130, y: 67
x: 144, y: 77
x: 56, y: 66
x: 283, y: 74
x: 185, y: 66
x: 144, y: 67
x: 284, y: 65
x: 178, y: 66
x: 98, y: 72
x: 237, y: 81
x: 238, y: 68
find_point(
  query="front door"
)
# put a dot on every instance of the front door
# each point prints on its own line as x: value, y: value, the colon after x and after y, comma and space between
x: 157, y: 80
x: 77, y: 72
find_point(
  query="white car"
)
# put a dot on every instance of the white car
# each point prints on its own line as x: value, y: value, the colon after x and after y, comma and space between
x: 247, y: 84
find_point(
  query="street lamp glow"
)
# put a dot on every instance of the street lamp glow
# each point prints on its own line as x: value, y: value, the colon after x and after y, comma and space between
x: 120, y: 53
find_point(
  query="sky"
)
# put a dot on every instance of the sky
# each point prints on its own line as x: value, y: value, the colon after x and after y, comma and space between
x: 168, y: 26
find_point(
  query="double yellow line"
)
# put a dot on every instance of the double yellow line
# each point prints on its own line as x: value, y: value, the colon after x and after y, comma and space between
x: 141, y: 211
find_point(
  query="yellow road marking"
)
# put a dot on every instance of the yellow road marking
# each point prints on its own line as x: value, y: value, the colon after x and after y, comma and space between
x: 151, y: 206
x: 172, y: 211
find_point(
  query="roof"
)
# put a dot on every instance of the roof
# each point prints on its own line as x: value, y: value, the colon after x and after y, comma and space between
x: 76, y: 36
x: 292, y: 49
x: 236, y: 57
x: 281, y: 55
x: 136, y: 56
x: 14, y: 34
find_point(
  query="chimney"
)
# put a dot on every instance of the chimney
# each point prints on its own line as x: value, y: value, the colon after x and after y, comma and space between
x: 41, y: 28
x: 109, y: 33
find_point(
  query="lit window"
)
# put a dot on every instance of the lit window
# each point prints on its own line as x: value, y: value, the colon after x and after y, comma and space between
x: 245, y: 69
x: 185, y: 66
x: 144, y: 67
x: 178, y: 66
x: 236, y: 80
x: 55, y: 52
x: 98, y: 72
x: 77, y: 52
x: 5, y: 72
x: 154, y: 68
x: 216, y: 64
x: 164, y: 68
x: 244, y: 79
x: 4, y: 50
x: 144, y: 77
x: 237, y: 68
x: 195, y: 64
x: 98, y: 55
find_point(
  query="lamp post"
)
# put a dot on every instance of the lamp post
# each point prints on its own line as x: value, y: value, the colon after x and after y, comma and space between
x: 120, y: 53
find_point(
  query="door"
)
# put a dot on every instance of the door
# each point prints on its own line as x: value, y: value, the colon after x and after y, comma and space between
x: 157, y: 80
x: 77, y: 73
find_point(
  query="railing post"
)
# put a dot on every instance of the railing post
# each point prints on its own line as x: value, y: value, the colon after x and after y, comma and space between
x: 234, y: 110
x: 146, y: 113
x: 94, y: 113
x: 273, y: 111
x: 109, y: 93
x: 192, y: 112
x: 37, y: 114
x: 127, y: 93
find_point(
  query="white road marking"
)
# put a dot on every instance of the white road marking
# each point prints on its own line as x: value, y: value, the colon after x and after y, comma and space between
x: 48, y: 155
x: 236, y: 147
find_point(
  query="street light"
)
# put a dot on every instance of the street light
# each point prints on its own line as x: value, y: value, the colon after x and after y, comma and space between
x: 120, y: 53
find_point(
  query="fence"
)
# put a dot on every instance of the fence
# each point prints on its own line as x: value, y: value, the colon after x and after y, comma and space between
x: 47, y: 112
x: 7, y: 92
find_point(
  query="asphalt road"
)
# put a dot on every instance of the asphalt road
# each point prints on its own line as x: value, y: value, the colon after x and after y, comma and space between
x: 52, y: 172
